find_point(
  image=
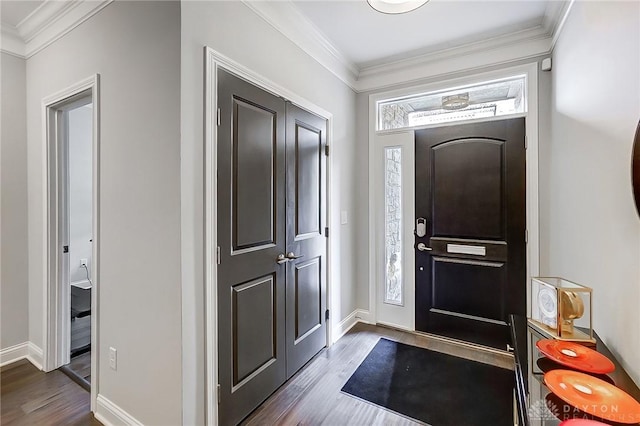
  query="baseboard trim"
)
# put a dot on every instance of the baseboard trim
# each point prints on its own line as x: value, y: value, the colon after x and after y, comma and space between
x: 345, y: 325
x: 358, y: 315
x: 14, y: 353
x: 364, y: 316
x: 109, y: 414
x: 26, y: 350
x: 35, y: 356
x: 395, y: 326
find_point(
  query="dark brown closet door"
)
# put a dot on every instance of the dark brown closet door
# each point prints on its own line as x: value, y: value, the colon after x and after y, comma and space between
x: 251, y: 236
x: 306, y: 242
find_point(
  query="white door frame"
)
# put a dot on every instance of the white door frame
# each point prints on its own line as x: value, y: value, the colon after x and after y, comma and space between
x: 215, y: 60
x: 56, y: 318
x: 532, y: 197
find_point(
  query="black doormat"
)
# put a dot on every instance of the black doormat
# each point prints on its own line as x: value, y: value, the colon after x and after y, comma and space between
x: 433, y: 387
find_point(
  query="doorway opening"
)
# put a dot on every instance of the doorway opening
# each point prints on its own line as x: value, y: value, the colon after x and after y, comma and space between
x: 403, y: 251
x: 72, y: 223
x: 77, y: 125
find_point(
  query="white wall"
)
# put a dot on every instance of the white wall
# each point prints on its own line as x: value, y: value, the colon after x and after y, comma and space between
x: 80, y: 161
x: 135, y: 47
x: 232, y: 29
x: 14, y: 318
x: 594, y: 230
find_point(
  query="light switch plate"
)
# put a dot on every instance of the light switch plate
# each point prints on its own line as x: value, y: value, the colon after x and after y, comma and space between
x: 113, y: 358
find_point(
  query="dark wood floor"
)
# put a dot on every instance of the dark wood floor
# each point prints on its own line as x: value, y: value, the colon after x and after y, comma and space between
x: 81, y: 365
x: 30, y: 397
x: 313, y: 397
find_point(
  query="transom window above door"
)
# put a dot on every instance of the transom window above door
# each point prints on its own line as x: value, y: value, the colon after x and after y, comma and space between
x: 497, y: 98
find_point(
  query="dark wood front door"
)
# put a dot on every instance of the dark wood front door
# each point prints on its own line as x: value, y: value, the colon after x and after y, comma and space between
x: 471, y: 270
x: 271, y: 277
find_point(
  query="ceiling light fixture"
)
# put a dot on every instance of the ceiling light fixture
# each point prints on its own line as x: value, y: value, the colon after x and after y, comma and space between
x: 454, y: 102
x: 396, y: 6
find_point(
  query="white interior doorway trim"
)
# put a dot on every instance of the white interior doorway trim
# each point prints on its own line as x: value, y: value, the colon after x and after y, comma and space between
x: 375, y: 169
x: 215, y: 61
x: 56, y: 317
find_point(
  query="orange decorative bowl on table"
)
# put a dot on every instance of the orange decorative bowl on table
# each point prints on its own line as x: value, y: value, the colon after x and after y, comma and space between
x: 582, y: 422
x: 593, y: 396
x: 575, y: 355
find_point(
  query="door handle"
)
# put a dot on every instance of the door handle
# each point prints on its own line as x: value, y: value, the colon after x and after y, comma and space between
x: 281, y: 259
x: 423, y: 247
x: 292, y: 256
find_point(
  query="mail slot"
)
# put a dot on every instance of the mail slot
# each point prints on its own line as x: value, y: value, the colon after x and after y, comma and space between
x: 465, y: 249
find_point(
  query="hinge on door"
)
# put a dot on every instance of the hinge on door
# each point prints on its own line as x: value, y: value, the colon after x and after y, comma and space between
x: 526, y: 235
x: 65, y: 249
x: 326, y: 150
x: 218, y: 255
x: 218, y: 116
x: 326, y: 231
x: 218, y: 392
x: 526, y: 142
x: 326, y: 315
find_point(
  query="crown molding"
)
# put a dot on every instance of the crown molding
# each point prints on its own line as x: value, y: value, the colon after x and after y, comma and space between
x: 485, y: 45
x: 554, y: 15
x: 563, y: 14
x: 516, y: 46
x: 532, y: 42
x: 285, y: 17
x: 46, y: 24
x: 10, y: 41
x: 436, y: 66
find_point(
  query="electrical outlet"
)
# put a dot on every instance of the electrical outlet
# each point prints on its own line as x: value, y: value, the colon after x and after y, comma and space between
x: 113, y: 358
x: 83, y: 262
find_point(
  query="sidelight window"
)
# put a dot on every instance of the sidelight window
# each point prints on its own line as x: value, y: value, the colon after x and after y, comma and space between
x: 489, y: 99
x: 393, y: 225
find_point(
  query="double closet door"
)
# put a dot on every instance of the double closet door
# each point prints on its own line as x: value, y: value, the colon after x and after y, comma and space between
x: 272, y: 244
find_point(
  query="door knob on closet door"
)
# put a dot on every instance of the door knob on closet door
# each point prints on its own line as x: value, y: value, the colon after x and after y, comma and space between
x: 281, y: 259
x: 292, y: 256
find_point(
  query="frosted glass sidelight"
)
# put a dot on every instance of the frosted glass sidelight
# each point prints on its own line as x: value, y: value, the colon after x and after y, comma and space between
x: 393, y: 225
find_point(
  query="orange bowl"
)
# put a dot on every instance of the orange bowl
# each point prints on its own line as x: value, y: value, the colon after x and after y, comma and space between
x: 576, y: 356
x: 593, y: 396
x: 582, y: 422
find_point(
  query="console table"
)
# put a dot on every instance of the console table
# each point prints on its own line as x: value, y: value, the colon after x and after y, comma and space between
x: 532, y: 397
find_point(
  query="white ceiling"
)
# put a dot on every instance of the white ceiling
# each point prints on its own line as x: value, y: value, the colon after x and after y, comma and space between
x: 363, y: 48
x: 368, y: 38
x: 13, y: 12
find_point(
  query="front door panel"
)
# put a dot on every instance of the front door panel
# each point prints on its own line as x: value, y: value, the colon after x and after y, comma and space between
x: 251, y: 235
x: 467, y: 177
x: 470, y: 187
